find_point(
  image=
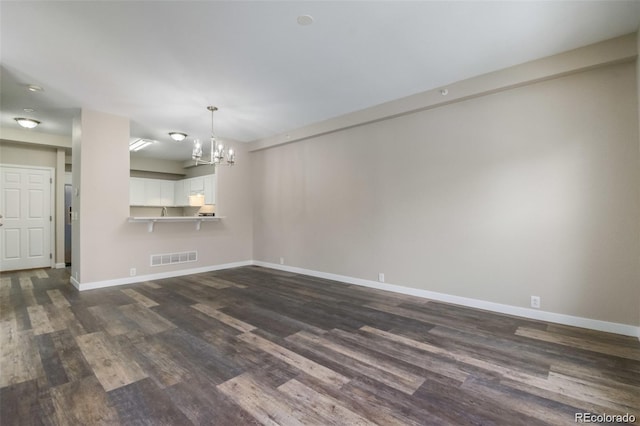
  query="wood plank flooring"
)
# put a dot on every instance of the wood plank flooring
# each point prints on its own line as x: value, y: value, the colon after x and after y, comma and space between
x: 252, y: 345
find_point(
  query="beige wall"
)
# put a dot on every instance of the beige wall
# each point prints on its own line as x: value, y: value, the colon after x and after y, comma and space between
x: 201, y: 170
x: 155, y: 165
x: 105, y: 246
x: 528, y: 191
x: 34, y: 138
x: 109, y: 246
x: 27, y: 155
x: 102, y: 202
x: 227, y: 241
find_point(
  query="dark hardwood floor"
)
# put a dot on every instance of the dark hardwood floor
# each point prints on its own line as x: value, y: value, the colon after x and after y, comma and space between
x: 257, y: 346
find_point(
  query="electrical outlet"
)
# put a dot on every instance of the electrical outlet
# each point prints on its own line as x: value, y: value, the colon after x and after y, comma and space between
x: 535, y: 302
x: 381, y: 277
x: 282, y: 260
x: 132, y: 272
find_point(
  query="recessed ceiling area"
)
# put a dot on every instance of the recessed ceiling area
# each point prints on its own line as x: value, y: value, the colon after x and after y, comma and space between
x: 161, y: 63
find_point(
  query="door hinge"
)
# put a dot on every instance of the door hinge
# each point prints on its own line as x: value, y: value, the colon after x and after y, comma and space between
x: 50, y: 180
x: 50, y: 256
x: 50, y: 219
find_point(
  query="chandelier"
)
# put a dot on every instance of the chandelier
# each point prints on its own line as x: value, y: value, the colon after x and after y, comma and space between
x: 219, y: 154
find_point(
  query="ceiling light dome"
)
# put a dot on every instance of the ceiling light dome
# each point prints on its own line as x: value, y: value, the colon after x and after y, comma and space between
x: 305, y: 20
x: 177, y: 136
x: 34, y: 88
x: 27, y: 123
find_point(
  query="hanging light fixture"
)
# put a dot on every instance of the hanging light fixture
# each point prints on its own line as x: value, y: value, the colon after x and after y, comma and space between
x: 219, y: 154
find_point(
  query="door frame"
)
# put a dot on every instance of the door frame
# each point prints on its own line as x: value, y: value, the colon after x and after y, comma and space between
x: 68, y: 180
x: 52, y: 205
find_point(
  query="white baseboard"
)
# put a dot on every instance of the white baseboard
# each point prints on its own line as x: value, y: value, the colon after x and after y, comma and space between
x: 160, y: 275
x: 610, y: 327
x: 75, y: 283
x: 60, y: 265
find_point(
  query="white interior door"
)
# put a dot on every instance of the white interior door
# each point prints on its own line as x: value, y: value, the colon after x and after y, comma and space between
x: 25, y: 206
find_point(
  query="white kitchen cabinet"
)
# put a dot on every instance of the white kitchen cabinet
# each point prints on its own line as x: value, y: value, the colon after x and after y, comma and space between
x: 196, y: 185
x: 136, y: 192
x: 153, y: 192
x: 210, y: 189
x: 203, y: 185
x: 168, y: 193
x: 179, y: 193
x: 150, y: 192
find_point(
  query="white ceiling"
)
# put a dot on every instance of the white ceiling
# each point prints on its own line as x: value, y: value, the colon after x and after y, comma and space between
x: 161, y: 63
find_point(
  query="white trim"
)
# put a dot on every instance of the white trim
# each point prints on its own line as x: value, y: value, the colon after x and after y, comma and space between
x: 593, y: 324
x: 161, y: 275
x: 60, y: 265
x: 610, y: 327
x: 75, y: 283
x: 52, y: 223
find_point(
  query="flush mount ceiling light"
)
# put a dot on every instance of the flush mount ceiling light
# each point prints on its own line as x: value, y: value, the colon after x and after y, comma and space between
x: 305, y: 20
x: 219, y: 155
x: 34, y: 88
x: 177, y: 136
x: 139, y: 144
x: 27, y: 123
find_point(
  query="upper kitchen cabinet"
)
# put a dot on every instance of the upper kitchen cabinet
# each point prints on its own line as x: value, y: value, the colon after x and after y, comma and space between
x: 153, y: 192
x: 167, y: 193
x: 170, y: 193
x: 210, y: 189
x: 150, y: 192
x: 180, y: 193
x: 136, y: 192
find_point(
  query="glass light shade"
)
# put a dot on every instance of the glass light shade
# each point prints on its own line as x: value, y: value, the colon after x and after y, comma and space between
x: 177, y: 136
x: 27, y: 123
x: 197, y: 150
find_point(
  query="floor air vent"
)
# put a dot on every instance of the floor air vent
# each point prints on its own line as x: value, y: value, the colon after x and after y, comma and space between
x: 172, y: 258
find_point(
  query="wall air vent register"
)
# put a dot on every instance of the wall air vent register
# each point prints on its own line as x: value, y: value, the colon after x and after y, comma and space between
x: 173, y: 258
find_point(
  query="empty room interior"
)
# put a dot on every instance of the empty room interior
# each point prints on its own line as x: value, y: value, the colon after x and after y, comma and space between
x: 319, y: 213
